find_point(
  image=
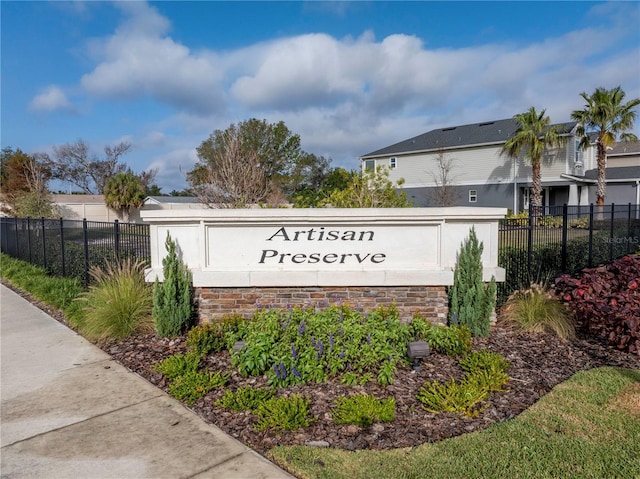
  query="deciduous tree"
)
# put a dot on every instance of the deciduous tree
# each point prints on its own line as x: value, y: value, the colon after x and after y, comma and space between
x: 76, y: 164
x: 275, y: 148
x: 370, y: 190
x: 24, y: 184
x: 444, y: 193
x: 232, y: 176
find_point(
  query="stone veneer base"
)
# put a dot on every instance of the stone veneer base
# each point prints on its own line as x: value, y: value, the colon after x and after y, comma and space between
x: 213, y: 303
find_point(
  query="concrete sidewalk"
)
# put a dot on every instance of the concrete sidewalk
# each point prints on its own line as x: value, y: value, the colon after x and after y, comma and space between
x: 69, y: 410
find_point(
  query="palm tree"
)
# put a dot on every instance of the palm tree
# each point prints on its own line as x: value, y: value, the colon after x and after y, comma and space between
x: 123, y: 192
x: 606, y: 115
x: 533, y: 136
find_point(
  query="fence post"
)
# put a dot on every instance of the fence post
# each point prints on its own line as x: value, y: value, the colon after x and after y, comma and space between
x: 611, y: 231
x: 64, y: 273
x: 628, y: 242
x: 591, y: 235
x: 530, y: 241
x: 85, y: 235
x: 565, y: 221
x: 29, y: 237
x: 44, y: 245
x: 116, y: 231
x: 15, y: 234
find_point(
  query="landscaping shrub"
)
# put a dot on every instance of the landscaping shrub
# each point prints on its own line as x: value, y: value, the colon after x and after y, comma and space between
x: 298, y: 345
x: 484, y: 360
x: 451, y: 396
x: 118, y: 303
x: 244, y: 398
x: 363, y: 409
x: 205, y: 338
x: 550, y: 222
x: 606, y: 301
x: 450, y: 340
x: 194, y: 385
x: 178, y: 365
x: 187, y: 382
x: 471, y: 302
x: 537, y: 309
x: 172, y: 298
x: 486, y: 373
x: 283, y: 413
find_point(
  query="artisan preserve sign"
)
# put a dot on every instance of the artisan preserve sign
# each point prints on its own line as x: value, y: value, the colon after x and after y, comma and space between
x: 318, y: 247
x: 322, y: 247
x: 316, y: 236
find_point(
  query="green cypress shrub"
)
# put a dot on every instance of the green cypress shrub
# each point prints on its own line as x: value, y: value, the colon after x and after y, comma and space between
x: 172, y: 297
x: 471, y: 302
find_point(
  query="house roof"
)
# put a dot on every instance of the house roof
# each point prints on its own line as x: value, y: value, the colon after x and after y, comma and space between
x: 624, y: 148
x: 487, y: 132
x: 631, y: 173
x: 78, y: 199
x: 170, y: 199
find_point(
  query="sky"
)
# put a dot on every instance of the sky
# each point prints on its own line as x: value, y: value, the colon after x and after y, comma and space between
x: 348, y: 77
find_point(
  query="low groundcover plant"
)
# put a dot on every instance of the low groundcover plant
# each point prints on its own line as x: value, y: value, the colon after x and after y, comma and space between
x: 300, y: 345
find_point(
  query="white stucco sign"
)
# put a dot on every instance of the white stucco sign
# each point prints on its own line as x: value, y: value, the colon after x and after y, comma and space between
x: 323, y: 247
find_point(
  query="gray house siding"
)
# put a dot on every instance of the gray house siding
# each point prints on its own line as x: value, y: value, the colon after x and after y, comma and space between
x: 618, y: 193
x: 491, y: 195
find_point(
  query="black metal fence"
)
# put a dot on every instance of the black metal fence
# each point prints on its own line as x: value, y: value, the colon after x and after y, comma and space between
x: 534, y: 249
x: 70, y: 248
x: 564, y: 239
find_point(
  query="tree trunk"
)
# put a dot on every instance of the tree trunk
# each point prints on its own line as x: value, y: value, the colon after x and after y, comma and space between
x: 602, y: 182
x: 536, y: 199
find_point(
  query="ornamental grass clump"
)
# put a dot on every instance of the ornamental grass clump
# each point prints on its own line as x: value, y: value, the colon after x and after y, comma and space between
x: 118, y: 303
x: 537, y: 310
x: 172, y: 298
x: 471, y: 301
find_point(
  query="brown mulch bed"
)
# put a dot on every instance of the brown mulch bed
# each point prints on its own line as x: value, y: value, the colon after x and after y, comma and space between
x: 538, y: 363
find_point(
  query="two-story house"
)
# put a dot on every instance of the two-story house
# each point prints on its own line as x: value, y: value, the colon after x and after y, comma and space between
x: 467, y: 160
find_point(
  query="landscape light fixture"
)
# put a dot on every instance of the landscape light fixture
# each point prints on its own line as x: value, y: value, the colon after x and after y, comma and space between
x: 416, y: 351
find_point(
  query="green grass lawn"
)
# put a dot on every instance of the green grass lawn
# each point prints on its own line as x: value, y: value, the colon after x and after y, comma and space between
x: 587, y: 427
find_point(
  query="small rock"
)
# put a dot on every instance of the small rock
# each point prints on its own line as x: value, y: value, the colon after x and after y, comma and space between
x: 377, y: 427
x: 317, y: 444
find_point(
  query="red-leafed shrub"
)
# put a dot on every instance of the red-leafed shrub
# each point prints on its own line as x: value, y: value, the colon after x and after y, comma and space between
x: 606, y: 301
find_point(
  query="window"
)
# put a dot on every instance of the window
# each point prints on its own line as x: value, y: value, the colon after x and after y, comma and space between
x: 473, y: 196
x: 393, y: 162
x: 370, y: 166
x: 577, y: 152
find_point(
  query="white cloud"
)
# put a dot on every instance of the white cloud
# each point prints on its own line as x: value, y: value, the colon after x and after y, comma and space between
x: 140, y: 60
x: 347, y: 96
x: 50, y: 99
